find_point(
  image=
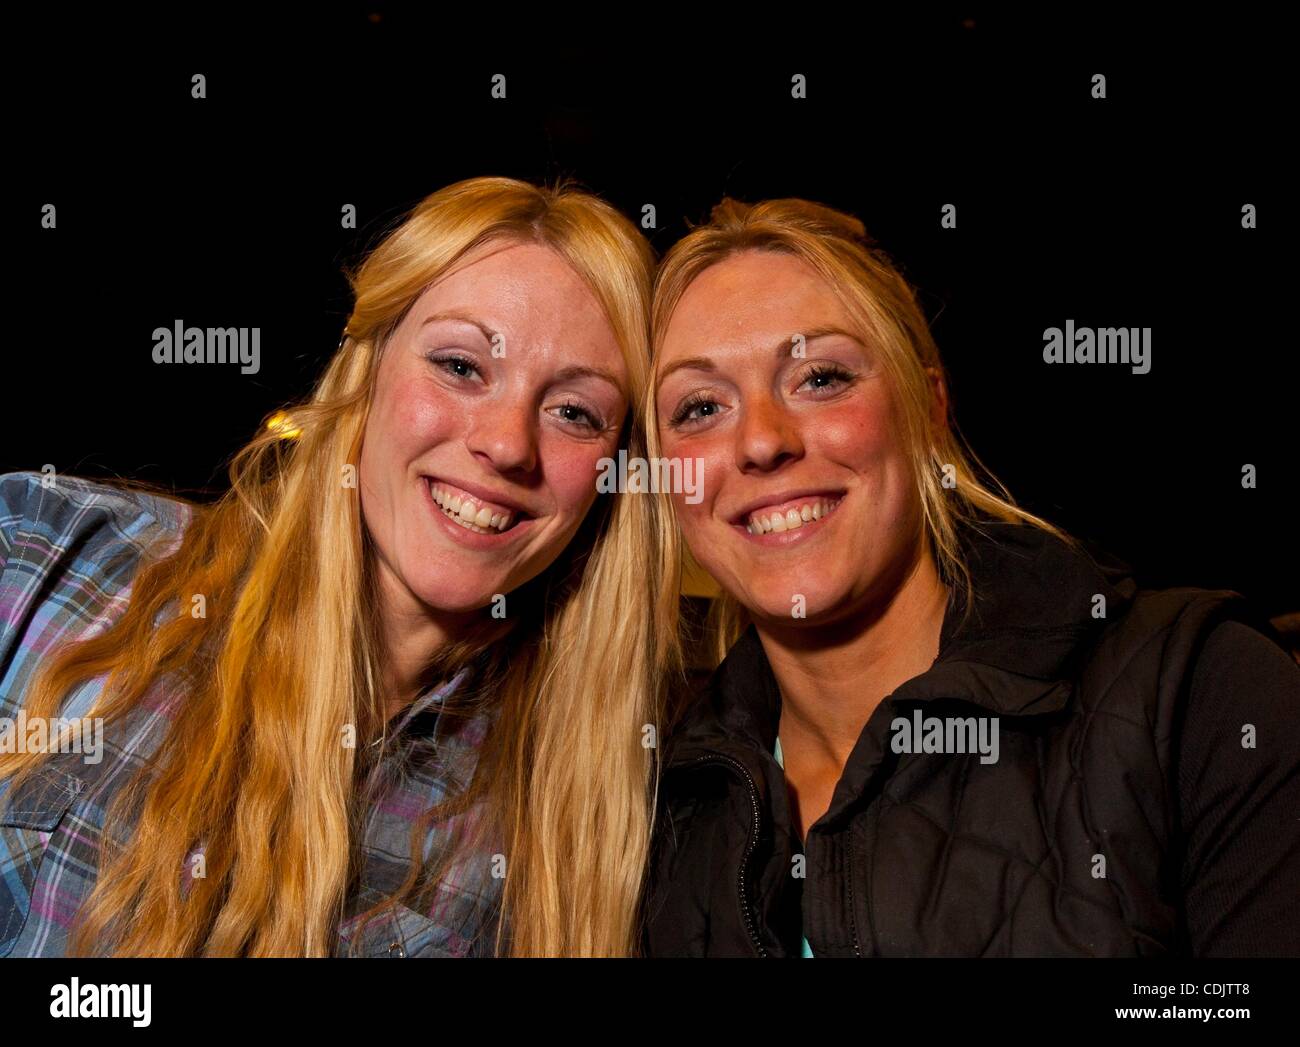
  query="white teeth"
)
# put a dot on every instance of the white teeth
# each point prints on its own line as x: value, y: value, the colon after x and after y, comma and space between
x: 760, y: 523
x: 468, y: 526
x: 470, y: 515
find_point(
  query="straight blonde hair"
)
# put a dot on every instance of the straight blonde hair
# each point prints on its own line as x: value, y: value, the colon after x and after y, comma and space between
x: 252, y: 762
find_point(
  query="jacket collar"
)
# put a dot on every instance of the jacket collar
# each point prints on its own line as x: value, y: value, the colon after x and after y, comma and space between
x: 1029, y: 630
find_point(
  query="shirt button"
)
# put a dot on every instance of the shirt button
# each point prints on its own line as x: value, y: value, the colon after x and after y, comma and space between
x: 396, y: 951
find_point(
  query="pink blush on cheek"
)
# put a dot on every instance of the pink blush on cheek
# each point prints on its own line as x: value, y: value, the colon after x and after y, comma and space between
x: 857, y: 433
x: 424, y: 417
x: 571, y: 470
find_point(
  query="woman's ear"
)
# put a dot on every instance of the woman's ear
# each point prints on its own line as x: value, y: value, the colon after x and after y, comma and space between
x: 938, y: 399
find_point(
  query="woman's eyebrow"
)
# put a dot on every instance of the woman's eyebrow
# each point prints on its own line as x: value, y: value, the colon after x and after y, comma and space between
x: 464, y: 318
x: 695, y: 363
x: 567, y: 374
x: 704, y: 363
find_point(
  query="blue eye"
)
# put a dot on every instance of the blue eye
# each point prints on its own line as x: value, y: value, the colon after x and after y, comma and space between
x: 457, y: 366
x: 685, y: 414
x: 576, y: 413
x: 828, y: 374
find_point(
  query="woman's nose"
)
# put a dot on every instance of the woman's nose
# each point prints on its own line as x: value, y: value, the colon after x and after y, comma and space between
x: 505, y: 435
x: 768, y: 436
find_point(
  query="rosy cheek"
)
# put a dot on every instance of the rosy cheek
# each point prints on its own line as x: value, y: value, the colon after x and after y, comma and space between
x: 856, y: 431
x: 425, y: 411
x: 417, y: 415
x: 713, y: 462
x: 571, y: 469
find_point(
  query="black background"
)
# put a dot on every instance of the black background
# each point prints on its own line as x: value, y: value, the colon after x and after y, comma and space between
x: 1118, y: 212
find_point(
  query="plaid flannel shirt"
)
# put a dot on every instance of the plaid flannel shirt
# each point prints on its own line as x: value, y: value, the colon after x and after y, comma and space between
x: 68, y: 554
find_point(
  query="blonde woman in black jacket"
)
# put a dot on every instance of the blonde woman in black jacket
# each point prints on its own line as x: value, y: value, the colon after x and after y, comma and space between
x: 943, y: 726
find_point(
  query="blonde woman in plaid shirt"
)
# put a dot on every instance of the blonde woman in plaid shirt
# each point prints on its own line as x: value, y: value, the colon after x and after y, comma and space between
x: 408, y: 719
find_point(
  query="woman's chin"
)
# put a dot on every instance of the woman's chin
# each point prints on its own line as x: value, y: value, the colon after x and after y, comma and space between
x: 471, y: 612
x: 790, y: 605
x: 441, y: 598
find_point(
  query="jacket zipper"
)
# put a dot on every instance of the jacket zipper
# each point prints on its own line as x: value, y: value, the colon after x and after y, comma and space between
x: 853, y: 904
x: 750, y: 843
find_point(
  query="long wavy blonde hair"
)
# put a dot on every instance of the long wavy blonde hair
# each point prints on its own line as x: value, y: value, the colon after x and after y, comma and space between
x: 883, y: 308
x: 252, y: 763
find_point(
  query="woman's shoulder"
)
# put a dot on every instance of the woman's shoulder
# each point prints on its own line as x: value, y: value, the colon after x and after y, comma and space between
x: 57, y: 497
x: 69, y: 550
x: 44, y: 514
x: 1246, y: 667
x: 1218, y: 624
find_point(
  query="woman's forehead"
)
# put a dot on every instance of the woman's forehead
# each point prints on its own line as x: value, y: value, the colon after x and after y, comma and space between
x: 751, y: 300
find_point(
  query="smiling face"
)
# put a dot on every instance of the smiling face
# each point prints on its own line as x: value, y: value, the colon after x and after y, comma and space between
x: 496, y: 396
x: 807, y: 487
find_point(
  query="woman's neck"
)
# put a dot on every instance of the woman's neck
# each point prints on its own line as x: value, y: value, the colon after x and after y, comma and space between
x: 411, y: 635
x: 833, y: 679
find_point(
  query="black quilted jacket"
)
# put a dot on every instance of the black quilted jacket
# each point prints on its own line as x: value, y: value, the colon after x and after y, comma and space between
x: 1073, y: 843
